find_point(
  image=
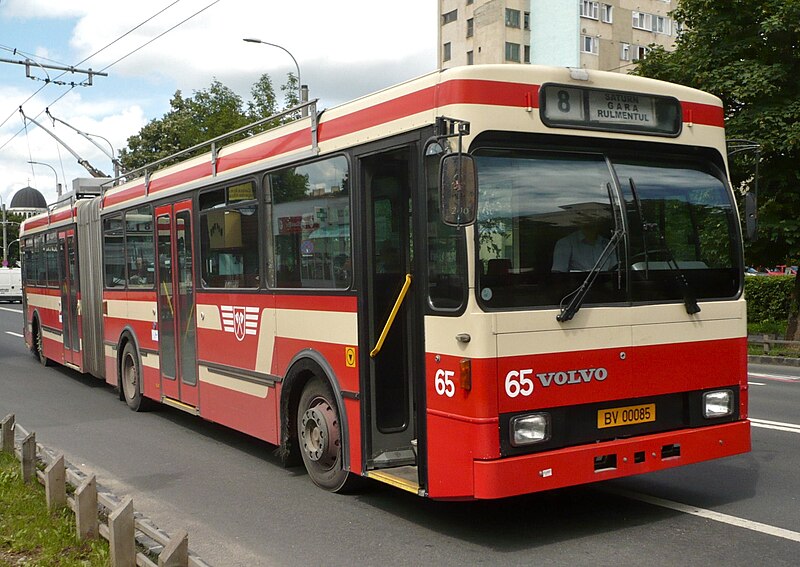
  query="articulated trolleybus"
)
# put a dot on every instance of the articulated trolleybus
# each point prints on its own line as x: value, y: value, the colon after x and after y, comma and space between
x: 485, y: 282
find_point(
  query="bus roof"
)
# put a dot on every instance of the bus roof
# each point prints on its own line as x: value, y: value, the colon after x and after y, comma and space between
x: 489, y: 96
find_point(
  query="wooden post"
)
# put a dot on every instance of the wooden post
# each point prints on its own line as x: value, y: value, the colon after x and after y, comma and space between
x: 766, y: 344
x: 176, y: 552
x: 55, y: 486
x: 8, y: 433
x: 86, y: 509
x: 29, y: 458
x: 122, y: 535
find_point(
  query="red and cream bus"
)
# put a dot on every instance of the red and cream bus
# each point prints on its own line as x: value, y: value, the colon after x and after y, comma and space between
x: 488, y: 281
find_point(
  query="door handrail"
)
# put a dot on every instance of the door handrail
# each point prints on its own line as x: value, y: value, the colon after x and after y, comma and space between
x: 403, y: 291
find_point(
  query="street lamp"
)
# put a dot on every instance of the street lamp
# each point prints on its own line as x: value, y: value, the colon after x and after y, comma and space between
x: 58, y: 185
x: 300, y: 96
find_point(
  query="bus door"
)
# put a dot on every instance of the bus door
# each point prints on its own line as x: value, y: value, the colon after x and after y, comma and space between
x: 68, y: 260
x: 176, y: 305
x: 391, y: 354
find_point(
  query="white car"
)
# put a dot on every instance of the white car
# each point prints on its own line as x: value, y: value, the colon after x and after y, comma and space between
x: 11, y: 284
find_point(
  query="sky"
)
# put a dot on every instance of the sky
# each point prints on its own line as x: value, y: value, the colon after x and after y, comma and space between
x: 345, y: 49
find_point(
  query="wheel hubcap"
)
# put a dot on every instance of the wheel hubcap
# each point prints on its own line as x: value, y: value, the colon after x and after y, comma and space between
x: 129, y: 380
x: 319, y: 433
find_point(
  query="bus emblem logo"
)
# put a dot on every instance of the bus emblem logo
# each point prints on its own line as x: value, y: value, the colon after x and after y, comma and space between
x: 241, y: 321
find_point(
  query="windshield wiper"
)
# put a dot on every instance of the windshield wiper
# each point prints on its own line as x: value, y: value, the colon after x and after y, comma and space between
x: 689, y: 297
x: 579, y: 294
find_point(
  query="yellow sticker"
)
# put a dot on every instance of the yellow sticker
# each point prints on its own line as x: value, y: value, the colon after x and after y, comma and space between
x: 350, y: 357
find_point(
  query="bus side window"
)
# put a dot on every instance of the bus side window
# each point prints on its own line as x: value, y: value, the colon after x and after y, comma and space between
x: 310, y: 226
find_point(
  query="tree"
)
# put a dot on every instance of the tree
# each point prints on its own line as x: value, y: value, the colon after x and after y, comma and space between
x: 207, y: 114
x: 747, y: 52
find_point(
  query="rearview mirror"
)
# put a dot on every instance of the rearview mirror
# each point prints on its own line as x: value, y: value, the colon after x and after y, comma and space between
x: 458, y: 189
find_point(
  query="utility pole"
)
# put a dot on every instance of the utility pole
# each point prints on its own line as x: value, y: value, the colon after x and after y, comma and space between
x: 5, y: 238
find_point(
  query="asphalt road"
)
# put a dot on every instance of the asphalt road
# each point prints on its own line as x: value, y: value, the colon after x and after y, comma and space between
x: 242, y: 508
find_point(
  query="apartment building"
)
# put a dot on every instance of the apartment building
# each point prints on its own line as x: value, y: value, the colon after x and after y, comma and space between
x: 610, y: 35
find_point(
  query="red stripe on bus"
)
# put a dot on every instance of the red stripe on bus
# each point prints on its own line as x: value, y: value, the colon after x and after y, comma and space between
x: 697, y: 113
x: 284, y: 144
x: 494, y: 93
x: 378, y: 114
x: 122, y: 295
x: 342, y: 304
x: 126, y: 194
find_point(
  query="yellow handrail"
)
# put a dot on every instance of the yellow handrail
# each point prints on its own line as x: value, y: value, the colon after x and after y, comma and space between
x: 392, y: 315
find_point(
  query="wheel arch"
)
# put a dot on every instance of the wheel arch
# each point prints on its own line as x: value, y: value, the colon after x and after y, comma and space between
x: 305, y: 365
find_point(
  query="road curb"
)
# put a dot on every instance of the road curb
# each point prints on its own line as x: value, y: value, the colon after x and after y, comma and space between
x: 776, y: 360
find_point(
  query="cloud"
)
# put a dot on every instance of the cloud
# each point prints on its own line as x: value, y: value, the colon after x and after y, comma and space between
x: 344, y: 49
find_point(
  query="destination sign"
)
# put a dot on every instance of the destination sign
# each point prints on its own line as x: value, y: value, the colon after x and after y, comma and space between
x: 600, y: 109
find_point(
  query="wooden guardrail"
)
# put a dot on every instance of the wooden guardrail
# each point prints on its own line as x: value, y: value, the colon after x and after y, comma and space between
x: 122, y: 527
x: 768, y: 341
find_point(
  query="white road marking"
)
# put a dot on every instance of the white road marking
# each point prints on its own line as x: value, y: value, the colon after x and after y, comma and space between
x: 756, y: 384
x: 11, y: 310
x: 776, y: 425
x: 775, y: 377
x: 14, y: 334
x: 710, y: 515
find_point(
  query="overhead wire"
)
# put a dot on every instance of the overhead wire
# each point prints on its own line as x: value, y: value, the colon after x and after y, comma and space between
x: 110, y: 65
x: 162, y: 34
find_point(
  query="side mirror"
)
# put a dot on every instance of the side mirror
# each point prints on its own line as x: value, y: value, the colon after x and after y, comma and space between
x: 458, y: 189
x: 751, y: 215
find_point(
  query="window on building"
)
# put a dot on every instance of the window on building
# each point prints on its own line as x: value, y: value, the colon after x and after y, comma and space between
x: 446, y: 52
x: 229, y: 242
x: 310, y: 228
x: 590, y: 9
x: 527, y: 56
x: 639, y: 52
x: 469, y: 2
x: 606, y: 13
x: 642, y: 21
x: 589, y: 44
x: 470, y: 58
x: 512, y: 18
x: 512, y: 52
x: 139, y: 257
x: 470, y: 27
x: 449, y: 17
x: 662, y: 25
x: 625, y: 51
x: 526, y: 21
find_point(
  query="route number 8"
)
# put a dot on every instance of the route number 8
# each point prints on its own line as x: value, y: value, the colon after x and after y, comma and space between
x: 563, y: 101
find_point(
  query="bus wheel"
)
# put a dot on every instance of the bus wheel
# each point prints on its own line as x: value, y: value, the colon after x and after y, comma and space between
x: 131, y: 378
x: 38, y: 344
x: 319, y: 436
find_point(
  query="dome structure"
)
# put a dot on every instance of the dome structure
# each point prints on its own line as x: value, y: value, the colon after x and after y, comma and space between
x: 28, y: 198
x: 27, y: 202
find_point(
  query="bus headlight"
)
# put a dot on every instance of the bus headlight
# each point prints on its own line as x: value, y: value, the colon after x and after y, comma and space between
x: 529, y: 428
x: 718, y: 403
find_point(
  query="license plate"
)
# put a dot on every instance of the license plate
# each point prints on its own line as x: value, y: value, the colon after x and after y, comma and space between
x: 629, y: 415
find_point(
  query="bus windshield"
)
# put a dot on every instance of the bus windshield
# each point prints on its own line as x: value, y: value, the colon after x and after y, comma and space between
x: 545, y: 218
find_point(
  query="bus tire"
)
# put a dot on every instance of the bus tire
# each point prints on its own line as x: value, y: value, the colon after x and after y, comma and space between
x: 319, y: 437
x: 38, y: 344
x: 131, y: 379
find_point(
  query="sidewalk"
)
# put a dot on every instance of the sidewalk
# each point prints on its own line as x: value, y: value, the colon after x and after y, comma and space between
x: 776, y: 360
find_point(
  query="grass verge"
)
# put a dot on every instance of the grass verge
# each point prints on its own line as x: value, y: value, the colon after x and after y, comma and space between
x: 31, y: 535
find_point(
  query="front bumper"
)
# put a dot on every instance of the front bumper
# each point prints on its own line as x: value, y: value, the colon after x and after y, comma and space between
x: 524, y: 474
